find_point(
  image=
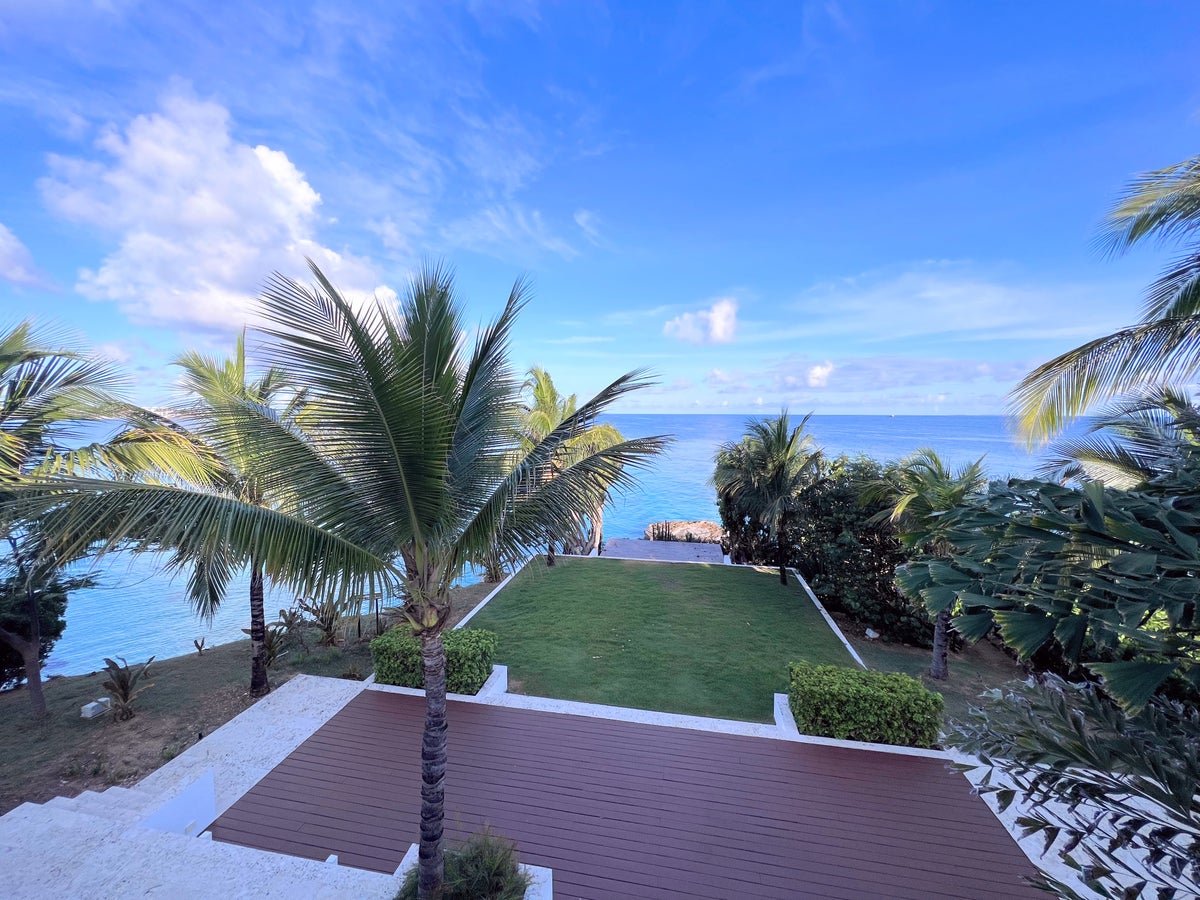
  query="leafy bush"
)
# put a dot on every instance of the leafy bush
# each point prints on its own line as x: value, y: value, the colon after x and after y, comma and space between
x: 469, y: 653
x: 485, y: 866
x: 122, y: 685
x: 856, y: 705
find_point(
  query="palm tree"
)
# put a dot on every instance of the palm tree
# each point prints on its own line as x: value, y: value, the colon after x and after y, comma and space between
x: 233, y: 469
x: 1164, y: 346
x: 922, y: 491
x: 404, y: 475
x: 763, y: 475
x: 46, y: 393
x: 1136, y: 439
x: 544, y: 410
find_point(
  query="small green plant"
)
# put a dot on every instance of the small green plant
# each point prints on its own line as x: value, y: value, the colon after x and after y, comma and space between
x: 326, y: 615
x: 856, y: 705
x: 352, y: 673
x: 273, y: 640
x: 199, y: 646
x: 469, y: 653
x: 486, y: 866
x: 293, y: 623
x: 123, y: 686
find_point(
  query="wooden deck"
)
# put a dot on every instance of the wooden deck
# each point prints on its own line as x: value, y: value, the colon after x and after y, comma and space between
x: 626, y: 810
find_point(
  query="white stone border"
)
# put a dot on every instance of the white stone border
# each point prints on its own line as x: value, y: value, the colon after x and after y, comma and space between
x: 828, y: 618
x: 782, y: 729
x: 541, y: 879
x: 484, y: 602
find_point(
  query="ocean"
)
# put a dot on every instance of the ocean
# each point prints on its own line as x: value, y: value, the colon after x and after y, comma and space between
x: 137, y: 611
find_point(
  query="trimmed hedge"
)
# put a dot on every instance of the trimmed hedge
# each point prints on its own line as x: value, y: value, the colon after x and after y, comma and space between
x: 857, y: 705
x: 469, y: 652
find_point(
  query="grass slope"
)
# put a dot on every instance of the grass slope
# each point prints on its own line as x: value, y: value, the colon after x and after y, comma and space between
x: 693, y: 639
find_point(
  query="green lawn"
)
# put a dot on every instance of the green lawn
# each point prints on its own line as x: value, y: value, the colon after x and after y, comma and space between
x: 693, y: 639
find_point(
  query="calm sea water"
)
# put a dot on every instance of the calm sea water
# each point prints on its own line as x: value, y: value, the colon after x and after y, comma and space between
x: 137, y: 611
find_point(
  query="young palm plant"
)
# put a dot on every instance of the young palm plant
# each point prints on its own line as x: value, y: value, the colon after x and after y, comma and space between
x: 410, y: 468
x: 763, y: 475
x: 922, y: 492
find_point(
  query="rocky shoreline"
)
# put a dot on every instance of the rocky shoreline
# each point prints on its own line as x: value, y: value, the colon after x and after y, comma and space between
x: 699, y: 532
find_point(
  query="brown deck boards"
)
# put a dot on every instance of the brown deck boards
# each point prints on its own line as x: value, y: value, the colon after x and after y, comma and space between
x: 619, y: 809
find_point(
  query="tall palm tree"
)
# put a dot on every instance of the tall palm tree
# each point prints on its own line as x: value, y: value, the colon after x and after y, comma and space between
x: 1136, y: 439
x: 234, y: 469
x: 403, y: 477
x: 1164, y: 346
x: 544, y: 409
x: 763, y: 475
x: 47, y: 392
x: 921, y: 491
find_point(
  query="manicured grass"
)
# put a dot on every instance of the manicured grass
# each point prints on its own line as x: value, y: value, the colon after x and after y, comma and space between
x: 693, y: 639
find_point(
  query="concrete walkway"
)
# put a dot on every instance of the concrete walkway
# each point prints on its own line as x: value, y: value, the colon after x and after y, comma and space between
x: 663, y: 551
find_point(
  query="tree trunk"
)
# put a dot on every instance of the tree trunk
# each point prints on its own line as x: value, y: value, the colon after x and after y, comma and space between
x: 259, y: 684
x: 430, y: 860
x: 597, y: 535
x: 781, y: 549
x: 940, y: 667
x: 31, y: 655
x: 550, y: 552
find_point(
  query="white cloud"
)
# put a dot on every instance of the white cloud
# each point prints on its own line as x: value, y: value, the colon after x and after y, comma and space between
x: 16, y: 262
x: 201, y: 218
x: 818, y: 375
x: 715, y: 325
x: 589, y: 224
x: 507, y: 229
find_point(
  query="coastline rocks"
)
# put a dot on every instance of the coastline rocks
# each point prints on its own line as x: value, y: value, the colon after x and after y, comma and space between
x: 677, y: 530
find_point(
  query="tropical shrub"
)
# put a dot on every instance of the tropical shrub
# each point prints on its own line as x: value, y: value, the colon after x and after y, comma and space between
x: 469, y: 653
x: 485, y: 866
x: 123, y: 685
x: 857, y: 705
x: 848, y: 552
x: 51, y: 600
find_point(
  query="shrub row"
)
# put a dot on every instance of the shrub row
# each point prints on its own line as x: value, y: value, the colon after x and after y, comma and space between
x: 858, y: 705
x: 469, y: 653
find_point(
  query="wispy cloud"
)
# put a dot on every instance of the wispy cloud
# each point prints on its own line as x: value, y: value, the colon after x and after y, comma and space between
x: 507, y: 230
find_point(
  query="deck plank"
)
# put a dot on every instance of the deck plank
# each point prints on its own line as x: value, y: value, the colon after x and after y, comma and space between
x: 622, y: 809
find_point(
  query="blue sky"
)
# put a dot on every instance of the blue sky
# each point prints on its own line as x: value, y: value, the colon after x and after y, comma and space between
x: 839, y: 207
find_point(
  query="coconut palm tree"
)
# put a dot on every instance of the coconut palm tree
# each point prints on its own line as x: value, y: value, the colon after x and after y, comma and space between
x: 544, y: 410
x: 1164, y: 346
x: 922, y: 491
x: 1137, y: 438
x: 233, y: 469
x: 411, y: 469
x: 763, y: 475
x: 47, y: 392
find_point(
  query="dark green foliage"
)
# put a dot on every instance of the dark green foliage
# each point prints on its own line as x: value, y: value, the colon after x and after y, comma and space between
x: 1097, y: 577
x: 51, y: 598
x: 469, y: 654
x: 123, y: 685
x: 1103, y: 787
x: 858, y: 705
x: 846, y: 554
x: 484, y: 868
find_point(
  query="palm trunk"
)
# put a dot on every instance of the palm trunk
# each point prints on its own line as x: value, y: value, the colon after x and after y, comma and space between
x: 550, y: 551
x: 597, y: 535
x: 259, y: 685
x: 940, y: 667
x: 430, y: 860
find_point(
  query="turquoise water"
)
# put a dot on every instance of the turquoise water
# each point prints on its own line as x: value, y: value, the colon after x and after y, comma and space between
x: 137, y: 611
